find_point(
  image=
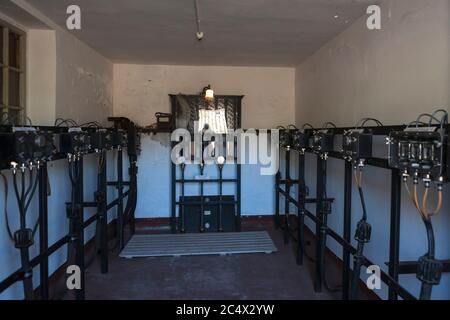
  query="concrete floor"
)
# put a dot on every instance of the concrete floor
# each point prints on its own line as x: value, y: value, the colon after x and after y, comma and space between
x: 251, y: 276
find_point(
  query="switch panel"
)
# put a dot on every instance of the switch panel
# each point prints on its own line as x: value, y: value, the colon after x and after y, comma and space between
x: 300, y: 140
x: 357, y: 145
x: 419, y: 150
x: 75, y: 141
x: 322, y: 141
x: 25, y: 145
x: 285, y: 138
x: 101, y: 139
x: 119, y: 138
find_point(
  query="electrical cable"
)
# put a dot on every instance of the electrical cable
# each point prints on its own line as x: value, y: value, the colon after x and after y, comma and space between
x: 441, y: 122
x: 12, y: 121
x: 24, y: 246
x: 67, y: 122
x: 307, y: 125
x: 197, y: 16
x: 444, y: 117
x: 330, y: 288
x: 327, y: 124
x: 363, y: 122
x: 8, y: 226
x: 417, y: 123
x: 424, y: 204
x: 428, y: 272
x: 362, y: 237
x: 91, y: 124
x: 32, y: 188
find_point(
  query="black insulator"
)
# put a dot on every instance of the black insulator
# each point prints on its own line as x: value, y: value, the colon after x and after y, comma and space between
x: 429, y: 270
x: 363, y: 232
x: 23, y: 238
x: 72, y: 210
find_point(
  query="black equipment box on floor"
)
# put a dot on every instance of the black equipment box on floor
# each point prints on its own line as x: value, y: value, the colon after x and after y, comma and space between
x: 211, y: 214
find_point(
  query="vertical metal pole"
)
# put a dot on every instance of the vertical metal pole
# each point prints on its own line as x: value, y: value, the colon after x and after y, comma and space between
x: 120, y: 186
x: 238, y: 191
x: 173, y: 217
x: 182, y: 199
x: 202, y: 201
x: 301, y: 208
x: 319, y: 226
x: 43, y: 230
x: 173, y: 171
x: 238, y: 168
x: 103, y: 192
x: 133, y: 170
x: 394, y: 243
x: 220, y: 199
x: 277, y: 200
x: 347, y: 229
x: 80, y: 294
x: 287, y: 231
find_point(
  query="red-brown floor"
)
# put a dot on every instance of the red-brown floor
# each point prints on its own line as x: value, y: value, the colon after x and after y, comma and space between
x: 251, y: 276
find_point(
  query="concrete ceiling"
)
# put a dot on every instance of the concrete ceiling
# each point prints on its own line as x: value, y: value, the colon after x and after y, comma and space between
x: 237, y: 32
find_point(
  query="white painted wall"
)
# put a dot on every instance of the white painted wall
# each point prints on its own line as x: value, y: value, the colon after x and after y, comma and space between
x: 392, y: 74
x: 142, y: 90
x: 41, y: 77
x: 84, y: 88
x: 67, y: 78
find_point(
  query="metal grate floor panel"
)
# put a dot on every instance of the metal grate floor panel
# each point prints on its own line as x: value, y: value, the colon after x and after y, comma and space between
x: 167, y: 245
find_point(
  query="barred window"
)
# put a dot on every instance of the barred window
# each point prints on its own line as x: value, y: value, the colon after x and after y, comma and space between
x: 12, y: 79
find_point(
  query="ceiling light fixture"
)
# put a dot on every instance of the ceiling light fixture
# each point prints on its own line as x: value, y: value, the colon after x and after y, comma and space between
x: 208, y: 93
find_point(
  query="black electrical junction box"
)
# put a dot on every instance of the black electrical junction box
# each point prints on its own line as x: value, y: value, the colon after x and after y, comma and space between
x: 419, y: 150
x: 75, y: 141
x: 44, y: 148
x: 192, y: 214
x: 25, y: 145
x: 300, y: 140
x: 133, y: 138
x: 322, y: 141
x: 101, y: 139
x: 119, y: 138
x: 285, y: 138
x: 357, y: 145
x: 163, y: 120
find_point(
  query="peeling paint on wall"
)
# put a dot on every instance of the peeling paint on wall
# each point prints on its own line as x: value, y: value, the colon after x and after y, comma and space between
x: 84, y: 82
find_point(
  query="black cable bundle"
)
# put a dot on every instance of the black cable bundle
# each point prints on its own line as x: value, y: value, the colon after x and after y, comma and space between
x: 330, y: 288
x: 74, y: 179
x: 362, y: 236
x: 24, y: 237
x: 430, y: 270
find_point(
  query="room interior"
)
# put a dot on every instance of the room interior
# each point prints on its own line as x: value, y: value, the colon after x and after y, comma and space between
x: 332, y: 90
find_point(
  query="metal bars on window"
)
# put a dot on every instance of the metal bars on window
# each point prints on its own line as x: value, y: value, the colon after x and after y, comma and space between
x: 12, y: 79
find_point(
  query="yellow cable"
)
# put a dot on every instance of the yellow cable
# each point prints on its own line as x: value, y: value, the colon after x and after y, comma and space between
x: 356, y: 177
x: 360, y: 178
x: 358, y: 181
x: 416, y: 203
x: 438, y: 206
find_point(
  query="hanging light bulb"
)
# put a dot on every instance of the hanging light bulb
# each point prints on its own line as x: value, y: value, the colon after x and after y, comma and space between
x: 208, y: 93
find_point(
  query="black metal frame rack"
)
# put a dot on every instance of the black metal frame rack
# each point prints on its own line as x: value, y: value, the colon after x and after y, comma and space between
x: 77, y: 225
x: 177, y: 202
x: 181, y: 204
x: 396, y: 267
